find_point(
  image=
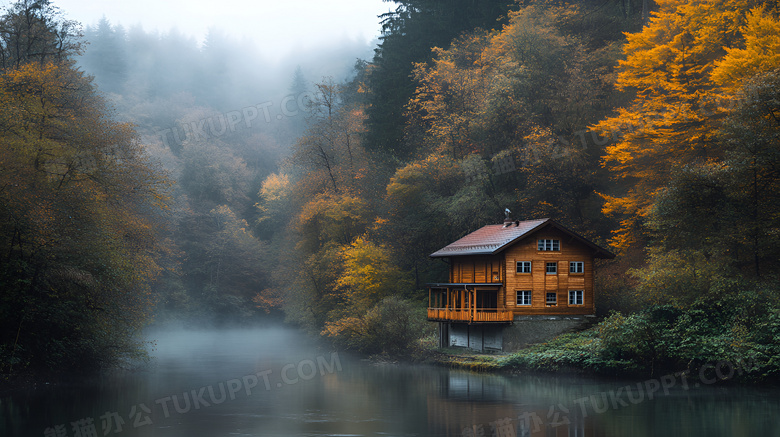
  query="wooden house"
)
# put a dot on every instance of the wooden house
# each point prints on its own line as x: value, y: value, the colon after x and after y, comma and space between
x: 520, y: 268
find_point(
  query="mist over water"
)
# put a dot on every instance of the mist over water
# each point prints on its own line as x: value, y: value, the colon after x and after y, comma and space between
x: 235, y: 132
x: 277, y: 382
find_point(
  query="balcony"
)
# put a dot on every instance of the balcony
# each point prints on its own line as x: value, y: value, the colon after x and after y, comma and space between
x: 480, y: 315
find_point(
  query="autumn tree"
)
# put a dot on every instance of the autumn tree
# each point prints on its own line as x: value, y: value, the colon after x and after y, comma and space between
x: 83, y: 221
x: 331, y: 148
x: 369, y: 276
x: 408, y: 33
x: 759, y: 53
x: 490, y: 92
x: 275, y: 206
x: 511, y: 109
x: 714, y: 225
x: 372, y: 315
x: 448, y: 105
x: 677, y: 67
x: 723, y: 216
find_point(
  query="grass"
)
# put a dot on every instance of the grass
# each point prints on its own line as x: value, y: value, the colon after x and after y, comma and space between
x: 578, y: 352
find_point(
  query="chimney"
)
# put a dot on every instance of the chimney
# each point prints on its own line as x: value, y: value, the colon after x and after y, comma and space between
x: 507, y: 220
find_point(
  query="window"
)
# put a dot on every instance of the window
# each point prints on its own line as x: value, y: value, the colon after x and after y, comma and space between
x: 552, y: 268
x: 549, y: 245
x: 576, y: 267
x: 524, y: 267
x: 575, y: 297
x: 524, y: 297
x: 552, y: 298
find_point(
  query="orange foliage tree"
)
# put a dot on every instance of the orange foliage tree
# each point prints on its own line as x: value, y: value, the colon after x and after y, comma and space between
x: 683, y: 67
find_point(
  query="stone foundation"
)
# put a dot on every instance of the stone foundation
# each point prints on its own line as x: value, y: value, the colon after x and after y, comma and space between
x: 538, y: 329
x: 523, y: 331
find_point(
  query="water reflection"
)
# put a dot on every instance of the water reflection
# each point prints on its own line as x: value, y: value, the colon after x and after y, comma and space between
x: 470, y: 404
x: 276, y: 383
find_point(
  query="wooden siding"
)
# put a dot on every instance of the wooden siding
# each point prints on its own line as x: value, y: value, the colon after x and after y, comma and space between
x: 476, y: 269
x: 540, y: 283
x: 479, y: 269
x: 462, y: 305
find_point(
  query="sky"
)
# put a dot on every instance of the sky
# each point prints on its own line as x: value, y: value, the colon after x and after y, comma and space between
x: 276, y: 26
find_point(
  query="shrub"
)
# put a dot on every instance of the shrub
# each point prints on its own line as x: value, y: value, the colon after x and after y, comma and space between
x: 392, y: 327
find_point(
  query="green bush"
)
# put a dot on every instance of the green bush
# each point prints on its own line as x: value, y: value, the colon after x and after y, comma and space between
x: 743, y: 329
x: 393, y: 327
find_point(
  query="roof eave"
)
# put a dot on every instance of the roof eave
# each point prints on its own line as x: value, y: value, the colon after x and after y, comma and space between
x: 604, y: 254
x: 447, y: 255
x: 598, y: 251
x: 498, y: 249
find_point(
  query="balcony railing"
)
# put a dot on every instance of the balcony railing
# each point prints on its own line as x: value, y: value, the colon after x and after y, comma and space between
x: 480, y: 315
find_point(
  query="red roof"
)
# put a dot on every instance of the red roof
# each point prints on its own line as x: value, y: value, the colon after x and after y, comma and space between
x: 491, y: 239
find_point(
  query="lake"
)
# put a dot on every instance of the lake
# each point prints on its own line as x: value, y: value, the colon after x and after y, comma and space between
x: 276, y: 382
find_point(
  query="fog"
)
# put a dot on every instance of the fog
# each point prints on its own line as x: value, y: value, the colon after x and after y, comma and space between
x: 142, y: 70
x: 276, y: 382
x: 165, y: 66
x: 207, y: 207
x: 219, y: 112
x: 278, y: 28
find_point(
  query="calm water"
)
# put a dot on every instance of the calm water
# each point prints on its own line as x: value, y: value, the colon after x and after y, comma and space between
x: 272, y: 382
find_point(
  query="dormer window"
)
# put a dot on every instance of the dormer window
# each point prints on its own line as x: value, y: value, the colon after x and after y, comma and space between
x: 549, y: 245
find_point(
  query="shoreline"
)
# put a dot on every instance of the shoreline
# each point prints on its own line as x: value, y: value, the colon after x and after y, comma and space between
x: 722, y: 372
x: 494, y: 363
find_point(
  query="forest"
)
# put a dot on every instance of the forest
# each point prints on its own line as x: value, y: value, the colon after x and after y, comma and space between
x: 149, y: 179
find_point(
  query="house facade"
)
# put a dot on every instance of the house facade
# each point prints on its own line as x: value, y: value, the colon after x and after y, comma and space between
x: 500, y: 273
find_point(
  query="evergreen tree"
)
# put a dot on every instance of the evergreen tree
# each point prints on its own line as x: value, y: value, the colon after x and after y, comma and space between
x: 105, y: 57
x: 408, y: 34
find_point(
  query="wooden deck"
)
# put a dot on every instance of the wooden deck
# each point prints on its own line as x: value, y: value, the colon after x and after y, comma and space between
x: 470, y: 316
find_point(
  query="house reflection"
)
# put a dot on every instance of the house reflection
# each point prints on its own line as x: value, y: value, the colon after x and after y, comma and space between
x: 471, y: 404
x: 473, y: 387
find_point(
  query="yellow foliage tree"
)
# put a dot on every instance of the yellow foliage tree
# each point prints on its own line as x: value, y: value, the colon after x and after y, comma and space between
x: 451, y: 95
x: 673, y: 119
x: 761, y: 52
x: 370, y: 275
x: 332, y: 218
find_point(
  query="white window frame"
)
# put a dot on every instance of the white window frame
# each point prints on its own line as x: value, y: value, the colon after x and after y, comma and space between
x: 574, y: 295
x: 551, y: 264
x: 547, y: 298
x: 524, y: 264
x: 548, y: 245
x: 576, y: 267
x: 523, y: 296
